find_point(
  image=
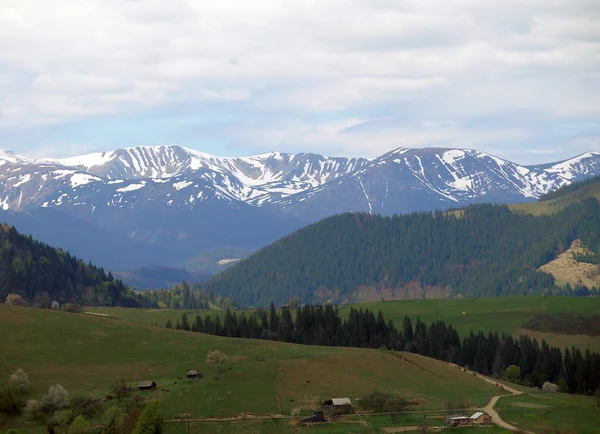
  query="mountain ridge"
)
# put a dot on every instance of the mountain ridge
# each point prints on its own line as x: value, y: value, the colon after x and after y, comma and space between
x: 169, y: 198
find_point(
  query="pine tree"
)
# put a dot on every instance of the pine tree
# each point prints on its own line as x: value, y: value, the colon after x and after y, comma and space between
x: 185, y: 324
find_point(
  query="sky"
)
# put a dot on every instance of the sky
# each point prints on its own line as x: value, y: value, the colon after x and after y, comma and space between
x: 517, y: 78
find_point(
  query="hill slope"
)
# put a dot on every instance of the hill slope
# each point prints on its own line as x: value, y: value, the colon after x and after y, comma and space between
x: 261, y: 377
x: 557, y: 200
x: 486, y: 251
x: 42, y: 273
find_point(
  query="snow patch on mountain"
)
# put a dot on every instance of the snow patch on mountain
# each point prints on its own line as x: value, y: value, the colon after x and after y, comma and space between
x: 79, y: 179
x: 131, y: 187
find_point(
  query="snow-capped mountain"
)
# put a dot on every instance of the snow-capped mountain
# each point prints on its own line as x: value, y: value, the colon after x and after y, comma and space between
x: 173, y: 174
x: 177, y: 199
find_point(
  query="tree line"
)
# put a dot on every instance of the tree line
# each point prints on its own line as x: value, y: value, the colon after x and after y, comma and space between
x: 488, y: 354
x: 482, y: 250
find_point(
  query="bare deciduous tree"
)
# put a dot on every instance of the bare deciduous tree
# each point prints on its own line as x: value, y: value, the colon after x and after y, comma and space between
x: 217, y: 357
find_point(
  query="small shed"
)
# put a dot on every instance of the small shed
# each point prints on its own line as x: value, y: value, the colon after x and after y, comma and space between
x: 317, y: 417
x: 457, y: 420
x: 337, y: 406
x: 194, y: 375
x: 147, y: 385
x: 480, y: 418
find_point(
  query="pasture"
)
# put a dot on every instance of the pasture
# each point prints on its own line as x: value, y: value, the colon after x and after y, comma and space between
x: 544, y: 412
x: 499, y: 314
x: 86, y: 354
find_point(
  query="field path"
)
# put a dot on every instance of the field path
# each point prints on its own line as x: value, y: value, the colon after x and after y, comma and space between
x: 489, y: 408
x: 395, y: 429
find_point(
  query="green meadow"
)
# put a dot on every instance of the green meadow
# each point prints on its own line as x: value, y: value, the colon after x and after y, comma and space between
x: 546, y: 413
x: 86, y: 353
x: 499, y: 314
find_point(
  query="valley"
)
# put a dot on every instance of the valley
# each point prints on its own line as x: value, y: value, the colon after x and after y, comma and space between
x: 86, y: 354
x: 445, y: 271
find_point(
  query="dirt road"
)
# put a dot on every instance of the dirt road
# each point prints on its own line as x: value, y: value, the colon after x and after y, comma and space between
x: 489, y: 408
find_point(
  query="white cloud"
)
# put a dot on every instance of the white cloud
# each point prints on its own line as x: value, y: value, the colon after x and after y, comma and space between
x: 305, y: 61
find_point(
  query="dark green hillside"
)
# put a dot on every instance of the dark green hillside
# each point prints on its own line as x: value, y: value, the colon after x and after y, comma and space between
x: 485, y: 251
x: 41, y: 273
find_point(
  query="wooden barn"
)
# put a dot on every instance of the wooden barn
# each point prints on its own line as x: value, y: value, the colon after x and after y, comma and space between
x: 336, y: 406
x: 194, y: 375
x: 480, y: 418
x: 457, y: 420
x: 147, y: 385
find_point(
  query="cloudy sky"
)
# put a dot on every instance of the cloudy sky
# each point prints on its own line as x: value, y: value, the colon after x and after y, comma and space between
x: 519, y: 78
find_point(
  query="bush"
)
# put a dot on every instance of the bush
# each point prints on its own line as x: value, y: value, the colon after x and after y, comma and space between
x: 513, y: 373
x: 33, y: 409
x: 550, y: 387
x: 79, y: 425
x: 151, y: 420
x: 112, y: 421
x: 56, y: 399
x: 15, y: 300
x: 83, y: 406
x: 19, y: 382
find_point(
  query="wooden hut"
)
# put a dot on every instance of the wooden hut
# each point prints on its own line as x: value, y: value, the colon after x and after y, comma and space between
x: 480, y: 418
x: 194, y: 375
x: 336, y: 406
x: 147, y: 385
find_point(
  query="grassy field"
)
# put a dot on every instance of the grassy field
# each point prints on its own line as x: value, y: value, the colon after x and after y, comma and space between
x: 85, y: 353
x: 500, y: 314
x: 544, y: 412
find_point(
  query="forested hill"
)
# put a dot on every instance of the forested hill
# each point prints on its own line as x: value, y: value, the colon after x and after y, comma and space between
x: 41, y: 274
x: 483, y: 250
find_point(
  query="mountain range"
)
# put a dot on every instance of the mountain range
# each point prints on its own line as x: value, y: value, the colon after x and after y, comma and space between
x: 162, y: 205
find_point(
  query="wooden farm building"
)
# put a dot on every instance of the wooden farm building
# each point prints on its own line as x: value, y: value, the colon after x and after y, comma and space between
x: 337, y: 406
x: 194, y: 375
x: 480, y: 418
x: 457, y: 420
x: 147, y: 385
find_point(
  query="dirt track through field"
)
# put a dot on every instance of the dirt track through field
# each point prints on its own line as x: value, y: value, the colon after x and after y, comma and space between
x: 489, y: 408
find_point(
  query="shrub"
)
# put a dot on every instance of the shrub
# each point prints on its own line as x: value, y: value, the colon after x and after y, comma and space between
x: 550, y: 387
x: 15, y: 300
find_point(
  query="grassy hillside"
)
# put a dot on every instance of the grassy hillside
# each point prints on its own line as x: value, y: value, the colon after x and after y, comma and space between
x: 544, y: 412
x: 567, y: 270
x: 503, y: 315
x: 557, y: 204
x: 88, y: 353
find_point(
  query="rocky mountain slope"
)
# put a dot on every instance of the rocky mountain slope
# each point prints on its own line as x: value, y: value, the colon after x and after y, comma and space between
x: 176, y: 200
